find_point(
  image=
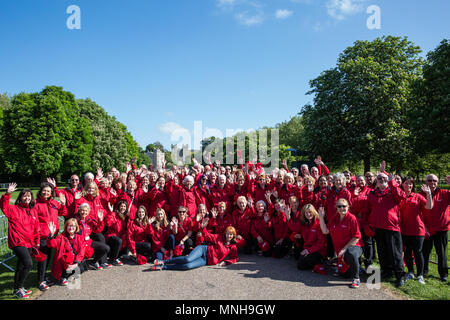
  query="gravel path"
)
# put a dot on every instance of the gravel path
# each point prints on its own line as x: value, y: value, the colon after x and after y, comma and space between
x: 252, y: 278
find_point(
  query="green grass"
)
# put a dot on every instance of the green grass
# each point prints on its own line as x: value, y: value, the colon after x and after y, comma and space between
x: 434, y: 288
x: 7, y: 280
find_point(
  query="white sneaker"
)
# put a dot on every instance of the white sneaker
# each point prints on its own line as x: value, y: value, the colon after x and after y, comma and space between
x: 409, y: 276
x: 420, y: 280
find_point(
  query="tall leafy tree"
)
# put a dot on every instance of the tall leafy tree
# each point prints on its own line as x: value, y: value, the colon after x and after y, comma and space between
x: 360, y: 106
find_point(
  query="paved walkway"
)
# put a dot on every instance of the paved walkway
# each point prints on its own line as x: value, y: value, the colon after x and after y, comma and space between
x: 252, y: 278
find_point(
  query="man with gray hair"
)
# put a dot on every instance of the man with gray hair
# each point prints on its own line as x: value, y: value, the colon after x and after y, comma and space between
x: 437, y: 223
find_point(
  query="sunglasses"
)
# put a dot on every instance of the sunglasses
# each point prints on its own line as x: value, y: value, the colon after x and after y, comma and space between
x: 181, y: 211
x: 341, y: 206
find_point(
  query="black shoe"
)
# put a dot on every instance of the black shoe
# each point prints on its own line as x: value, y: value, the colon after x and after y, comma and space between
x: 400, y: 282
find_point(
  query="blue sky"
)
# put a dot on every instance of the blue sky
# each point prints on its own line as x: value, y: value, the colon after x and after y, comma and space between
x: 159, y: 65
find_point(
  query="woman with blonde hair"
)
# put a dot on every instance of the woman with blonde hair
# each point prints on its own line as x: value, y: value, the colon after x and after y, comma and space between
x: 309, y: 238
x: 159, y: 230
x: 346, y: 237
x: 220, y: 251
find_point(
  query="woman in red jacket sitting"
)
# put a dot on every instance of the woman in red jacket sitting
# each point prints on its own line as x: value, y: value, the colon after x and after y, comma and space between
x: 23, y: 234
x: 69, y: 250
x: 346, y: 237
x: 221, y: 251
x: 313, y: 243
x: 138, y: 235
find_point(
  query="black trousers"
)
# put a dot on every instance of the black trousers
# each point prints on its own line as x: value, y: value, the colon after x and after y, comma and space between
x: 351, y: 257
x: 390, y: 248
x: 414, y: 244
x: 279, y: 251
x: 368, y: 249
x: 440, y: 241
x: 42, y: 266
x: 309, y: 261
x: 144, y: 249
x: 101, y: 249
x: 24, y: 266
x: 115, y: 243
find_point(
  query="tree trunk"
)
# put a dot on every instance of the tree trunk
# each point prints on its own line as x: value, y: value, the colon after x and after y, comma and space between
x: 366, y: 164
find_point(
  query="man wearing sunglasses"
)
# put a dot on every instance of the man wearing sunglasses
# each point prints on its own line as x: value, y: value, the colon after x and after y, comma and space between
x: 437, y: 223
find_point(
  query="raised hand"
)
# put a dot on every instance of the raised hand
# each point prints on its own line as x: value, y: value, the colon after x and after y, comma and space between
x: 205, y: 222
x: 321, y: 212
x: 62, y: 199
x: 100, y: 215
x: 425, y: 188
x: 113, y: 192
x: 287, y: 212
x: 174, y: 220
x: 52, y: 182
x: 357, y: 191
x: 11, y: 188
x: 52, y: 228
x: 78, y: 195
x: 214, y: 212
x: 266, y: 217
x: 152, y: 219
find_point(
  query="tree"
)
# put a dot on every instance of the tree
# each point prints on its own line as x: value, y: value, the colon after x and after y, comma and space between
x: 109, y: 140
x: 360, y: 106
x: 430, y: 116
x: 37, y: 129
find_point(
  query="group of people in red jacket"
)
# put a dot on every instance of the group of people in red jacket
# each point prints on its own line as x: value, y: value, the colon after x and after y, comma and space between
x: 185, y: 218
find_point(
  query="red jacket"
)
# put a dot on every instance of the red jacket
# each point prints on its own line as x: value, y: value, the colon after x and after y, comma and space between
x: 68, y: 251
x: 136, y: 233
x: 383, y: 208
x: 332, y: 197
x: 279, y: 225
x: 342, y: 232
x: 262, y: 228
x: 184, y: 228
x: 313, y: 238
x: 218, y: 250
x: 69, y: 194
x: 90, y: 226
x: 242, y: 221
x: 188, y: 200
x: 222, y: 223
x: 157, y: 199
x: 23, y: 224
x: 438, y: 218
x: 202, y: 195
x: 94, y: 203
x: 173, y: 194
x: 218, y: 195
x: 48, y: 211
x: 159, y: 237
x: 132, y: 203
x: 411, y: 210
x: 116, y: 227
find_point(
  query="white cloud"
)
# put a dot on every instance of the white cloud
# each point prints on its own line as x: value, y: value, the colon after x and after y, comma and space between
x: 225, y: 3
x: 283, y: 14
x: 249, y: 19
x: 340, y: 9
x: 170, y: 127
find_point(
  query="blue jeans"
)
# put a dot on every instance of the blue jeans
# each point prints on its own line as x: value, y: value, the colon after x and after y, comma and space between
x: 170, y: 243
x: 197, y: 258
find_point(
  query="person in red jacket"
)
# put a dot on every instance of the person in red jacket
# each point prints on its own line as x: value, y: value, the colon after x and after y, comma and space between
x: 47, y: 211
x: 242, y: 220
x: 367, y: 232
x: 182, y: 229
x: 162, y: 242
x: 437, y: 221
x: 69, y: 193
x: 223, y: 219
x: 138, y: 235
x: 91, y: 228
x: 116, y: 233
x: 261, y: 229
x: 69, y: 250
x: 90, y: 195
x: 308, y: 190
x: 173, y: 192
x: 187, y: 197
x: 313, y: 243
x: 282, y: 242
x: 344, y: 231
x: 412, y: 226
x: 382, y: 208
x: 221, y: 251
x: 23, y: 234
